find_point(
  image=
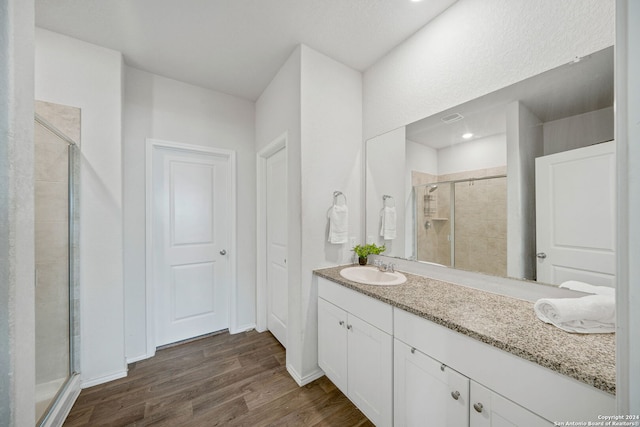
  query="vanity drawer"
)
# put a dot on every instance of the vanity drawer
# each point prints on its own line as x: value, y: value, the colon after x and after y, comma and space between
x: 370, y: 310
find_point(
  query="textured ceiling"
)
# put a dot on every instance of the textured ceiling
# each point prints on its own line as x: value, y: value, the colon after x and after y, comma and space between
x: 237, y: 46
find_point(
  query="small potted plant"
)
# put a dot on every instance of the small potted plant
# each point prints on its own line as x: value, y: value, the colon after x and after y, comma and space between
x: 363, y: 251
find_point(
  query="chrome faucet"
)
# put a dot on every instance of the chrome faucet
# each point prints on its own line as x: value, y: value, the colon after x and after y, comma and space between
x: 384, y: 267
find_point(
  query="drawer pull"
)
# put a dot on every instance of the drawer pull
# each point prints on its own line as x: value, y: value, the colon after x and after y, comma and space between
x: 341, y: 322
x: 478, y: 407
x: 349, y: 326
x: 455, y: 395
x: 413, y: 350
x: 442, y: 367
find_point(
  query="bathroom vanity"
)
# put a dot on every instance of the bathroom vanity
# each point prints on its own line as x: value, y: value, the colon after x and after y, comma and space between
x: 433, y: 352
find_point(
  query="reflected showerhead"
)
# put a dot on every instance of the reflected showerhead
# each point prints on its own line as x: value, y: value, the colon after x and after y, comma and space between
x: 432, y: 188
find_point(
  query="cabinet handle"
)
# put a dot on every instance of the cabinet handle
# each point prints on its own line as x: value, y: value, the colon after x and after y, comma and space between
x: 455, y: 395
x: 478, y: 407
x: 349, y: 326
x: 341, y: 322
x: 413, y: 350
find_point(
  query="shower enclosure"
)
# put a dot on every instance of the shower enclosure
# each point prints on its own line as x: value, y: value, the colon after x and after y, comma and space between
x: 463, y: 224
x: 56, y: 297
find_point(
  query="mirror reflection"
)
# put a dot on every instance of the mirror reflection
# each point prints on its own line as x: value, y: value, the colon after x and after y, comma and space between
x: 517, y: 183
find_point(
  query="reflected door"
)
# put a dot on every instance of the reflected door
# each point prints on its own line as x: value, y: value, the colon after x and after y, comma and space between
x: 576, y: 215
x: 191, y: 238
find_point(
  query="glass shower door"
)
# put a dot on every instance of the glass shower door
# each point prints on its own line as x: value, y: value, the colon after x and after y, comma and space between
x: 53, y: 160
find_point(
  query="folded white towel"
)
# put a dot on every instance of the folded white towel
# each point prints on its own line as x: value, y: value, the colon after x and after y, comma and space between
x: 338, y: 224
x: 574, y: 285
x: 593, y: 314
x: 388, y: 223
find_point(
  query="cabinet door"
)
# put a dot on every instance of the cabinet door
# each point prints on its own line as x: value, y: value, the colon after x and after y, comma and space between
x: 489, y: 409
x: 427, y: 392
x: 370, y: 370
x: 332, y: 343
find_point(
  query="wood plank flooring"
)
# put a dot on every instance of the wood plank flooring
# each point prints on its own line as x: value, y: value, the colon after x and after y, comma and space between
x: 221, y: 380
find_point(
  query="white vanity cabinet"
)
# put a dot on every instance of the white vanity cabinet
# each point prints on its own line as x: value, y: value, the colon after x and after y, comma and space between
x: 503, y: 390
x: 355, y: 348
x: 427, y: 392
x: 489, y: 409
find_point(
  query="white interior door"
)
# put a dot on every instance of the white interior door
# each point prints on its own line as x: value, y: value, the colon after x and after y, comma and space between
x: 576, y: 215
x: 277, y: 284
x: 191, y: 234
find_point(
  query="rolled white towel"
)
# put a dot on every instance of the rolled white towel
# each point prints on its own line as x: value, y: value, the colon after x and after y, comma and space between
x: 593, y: 314
x: 388, y: 226
x: 575, y: 285
x: 338, y: 224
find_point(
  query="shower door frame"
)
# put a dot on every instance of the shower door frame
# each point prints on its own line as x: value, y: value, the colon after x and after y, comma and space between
x: 66, y: 396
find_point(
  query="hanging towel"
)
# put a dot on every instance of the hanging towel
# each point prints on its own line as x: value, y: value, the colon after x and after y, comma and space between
x: 388, y: 226
x: 338, y: 224
x: 593, y: 314
x: 574, y: 285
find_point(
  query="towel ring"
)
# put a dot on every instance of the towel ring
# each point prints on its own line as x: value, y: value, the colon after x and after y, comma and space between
x: 337, y: 194
x: 387, y: 197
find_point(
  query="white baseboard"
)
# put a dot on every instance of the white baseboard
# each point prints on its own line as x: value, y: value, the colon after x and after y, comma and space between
x: 138, y: 358
x: 307, y: 378
x: 243, y: 328
x: 104, y: 379
x: 64, y: 403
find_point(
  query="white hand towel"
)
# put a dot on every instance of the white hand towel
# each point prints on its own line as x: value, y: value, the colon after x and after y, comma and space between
x: 574, y: 285
x: 338, y: 224
x: 593, y: 314
x: 388, y: 226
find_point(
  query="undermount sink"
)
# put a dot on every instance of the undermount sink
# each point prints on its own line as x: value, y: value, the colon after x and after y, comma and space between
x: 373, y: 276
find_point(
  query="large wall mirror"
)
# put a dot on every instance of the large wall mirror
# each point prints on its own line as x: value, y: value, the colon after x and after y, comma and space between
x: 518, y: 183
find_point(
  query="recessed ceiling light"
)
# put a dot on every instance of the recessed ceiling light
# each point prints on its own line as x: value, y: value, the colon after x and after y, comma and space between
x: 416, y: 1
x: 467, y: 135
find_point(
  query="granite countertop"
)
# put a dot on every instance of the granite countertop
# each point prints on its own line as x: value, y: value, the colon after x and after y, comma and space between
x: 503, y: 322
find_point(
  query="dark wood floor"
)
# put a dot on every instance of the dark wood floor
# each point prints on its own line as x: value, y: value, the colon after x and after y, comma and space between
x: 222, y: 380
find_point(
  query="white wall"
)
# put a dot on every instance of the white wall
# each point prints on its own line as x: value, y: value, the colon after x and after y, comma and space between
x: 17, y: 326
x: 317, y: 102
x: 278, y: 111
x: 331, y: 159
x: 386, y: 159
x: 476, y: 47
x: 578, y: 131
x: 524, y: 139
x: 481, y: 153
x: 628, y: 153
x: 161, y: 108
x: 79, y: 74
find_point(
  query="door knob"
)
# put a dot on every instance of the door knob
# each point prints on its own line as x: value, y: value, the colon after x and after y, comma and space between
x: 541, y: 255
x: 478, y: 407
x: 223, y: 252
x: 455, y: 395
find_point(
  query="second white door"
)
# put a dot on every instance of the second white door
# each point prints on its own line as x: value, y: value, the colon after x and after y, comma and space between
x: 191, y: 236
x: 277, y: 282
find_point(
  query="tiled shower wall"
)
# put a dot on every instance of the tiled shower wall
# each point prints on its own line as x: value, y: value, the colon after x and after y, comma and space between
x: 480, y: 221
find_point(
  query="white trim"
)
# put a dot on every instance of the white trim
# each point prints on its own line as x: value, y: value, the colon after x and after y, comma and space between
x: 318, y: 373
x: 152, y: 144
x: 104, y: 379
x: 64, y: 403
x: 138, y: 358
x: 243, y: 328
x: 261, y: 227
